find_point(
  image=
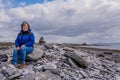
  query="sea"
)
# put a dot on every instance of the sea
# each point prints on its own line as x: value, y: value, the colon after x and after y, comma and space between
x: 115, y: 46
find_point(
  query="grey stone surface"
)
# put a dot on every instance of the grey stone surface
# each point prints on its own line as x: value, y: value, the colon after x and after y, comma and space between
x: 35, y: 55
x: 2, y: 77
x: 47, y: 75
x: 81, y: 62
x: 117, y: 77
x: 84, y: 74
x: 17, y: 75
x: 58, y: 62
x: 72, y: 63
x: 50, y: 66
x: 3, y: 57
x: 8, y: 70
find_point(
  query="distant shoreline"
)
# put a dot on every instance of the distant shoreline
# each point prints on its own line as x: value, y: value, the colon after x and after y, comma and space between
x: 98, y: 49
x: 77, y: 46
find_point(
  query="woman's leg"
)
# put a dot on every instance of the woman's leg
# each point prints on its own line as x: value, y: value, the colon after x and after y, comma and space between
x: 15, y: 57
x: 23, y: 52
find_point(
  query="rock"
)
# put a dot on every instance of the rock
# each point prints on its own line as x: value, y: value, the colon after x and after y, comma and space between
x: 42, y: 41
x: 42, y: 47
x: 8, y: 70
x: 83, y: 73
x: 17, y: 75
x: 66, y: 77
x: 28, y: 77
x: 37, y: 78
x: 56, y: 72
x: 117, y: 77
x: 77, y: 59
x: 25, y: 72
x: 107, y: 67
x: 117, y: 69
x: 35, y: 55
x: 47, y: 75
x: 72, y: 62
x: 94, y: 73
x: 3, y: 57
x: 49, y: 46
x: 38, y: 68
x: 68, y: 49
x: 2, y: 77
x: 50, y: 66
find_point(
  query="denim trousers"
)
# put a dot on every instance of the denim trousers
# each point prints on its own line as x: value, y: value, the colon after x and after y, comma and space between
x: 22, y: 53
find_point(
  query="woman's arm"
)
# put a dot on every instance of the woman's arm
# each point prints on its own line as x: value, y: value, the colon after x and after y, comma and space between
x: 31, y: 41
x: 16, y: 41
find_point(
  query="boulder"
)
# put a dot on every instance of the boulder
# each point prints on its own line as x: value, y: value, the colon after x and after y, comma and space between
x: 2, y: 77
x: 12, y: 77
x: 50, y: 66
x: 117, y: 77
x: 49, y: 46
x: 76, y: 59
x: 8, y: 70
x: 47, y: 75
x: 3, y: 57
x: 35, y: 55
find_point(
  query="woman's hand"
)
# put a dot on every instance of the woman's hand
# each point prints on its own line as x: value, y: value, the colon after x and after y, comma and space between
x: 18, y: 48
x: 23, y: 45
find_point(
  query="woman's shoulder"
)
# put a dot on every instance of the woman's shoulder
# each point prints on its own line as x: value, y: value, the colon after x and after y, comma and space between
x: 31, y: 33
x: 19, y: 33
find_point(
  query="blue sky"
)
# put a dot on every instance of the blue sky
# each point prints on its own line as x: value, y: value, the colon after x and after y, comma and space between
x: 17, y: 3
x: 32, y: 1
x: 61, y: 21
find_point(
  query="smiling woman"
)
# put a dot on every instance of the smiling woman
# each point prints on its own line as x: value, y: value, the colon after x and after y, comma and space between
x: 24, y: 45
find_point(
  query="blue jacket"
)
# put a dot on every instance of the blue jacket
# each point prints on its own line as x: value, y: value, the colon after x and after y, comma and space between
x: 26, y: 39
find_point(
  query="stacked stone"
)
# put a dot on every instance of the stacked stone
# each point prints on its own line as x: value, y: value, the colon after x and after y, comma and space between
x: 42, y: 41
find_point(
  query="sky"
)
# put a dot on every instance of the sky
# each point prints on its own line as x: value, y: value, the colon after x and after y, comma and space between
x: 62, y: 21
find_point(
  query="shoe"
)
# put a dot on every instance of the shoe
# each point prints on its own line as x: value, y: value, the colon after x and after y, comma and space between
x: 16, y: 66
x: 22, y: 66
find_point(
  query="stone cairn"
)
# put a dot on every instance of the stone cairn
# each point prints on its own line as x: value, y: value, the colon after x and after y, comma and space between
x: 42, y: 41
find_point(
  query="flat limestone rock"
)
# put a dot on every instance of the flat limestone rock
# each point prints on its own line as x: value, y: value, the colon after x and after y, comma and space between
x: 50, y: 66
x: 47, y: 75
x: 77, y: 59
x: 3, y: 57
x: 2, y: 77
x: 35, y: 55
x: 14, y: 76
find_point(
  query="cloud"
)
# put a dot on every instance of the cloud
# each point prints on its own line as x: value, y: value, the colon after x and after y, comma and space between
x: 66, y: 20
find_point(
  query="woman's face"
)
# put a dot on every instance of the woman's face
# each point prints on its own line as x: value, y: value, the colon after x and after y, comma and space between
x: 25, y: 27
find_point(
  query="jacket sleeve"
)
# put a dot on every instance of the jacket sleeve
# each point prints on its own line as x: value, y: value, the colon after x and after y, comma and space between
x: 31, y: 41
x: 16, y: 41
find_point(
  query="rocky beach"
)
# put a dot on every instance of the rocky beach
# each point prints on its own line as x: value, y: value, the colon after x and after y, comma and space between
x: 60, y: 62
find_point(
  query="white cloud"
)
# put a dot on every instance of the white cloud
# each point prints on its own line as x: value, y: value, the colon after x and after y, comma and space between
x: 22, y: 4
x: 67, y: 20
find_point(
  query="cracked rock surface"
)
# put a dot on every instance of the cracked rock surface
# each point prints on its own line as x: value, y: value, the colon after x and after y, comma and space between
x: 58, y: 62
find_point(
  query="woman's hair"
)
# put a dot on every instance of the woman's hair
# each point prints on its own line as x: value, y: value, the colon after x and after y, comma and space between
x: 23, y: 23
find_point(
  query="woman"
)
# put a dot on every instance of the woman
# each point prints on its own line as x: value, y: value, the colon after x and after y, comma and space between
x: 24, y: 45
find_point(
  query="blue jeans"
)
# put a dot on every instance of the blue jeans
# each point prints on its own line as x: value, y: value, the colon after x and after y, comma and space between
x: 23, y: 52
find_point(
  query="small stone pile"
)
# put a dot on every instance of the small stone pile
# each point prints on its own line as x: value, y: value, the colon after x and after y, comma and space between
x: 59, y: 62
x: 42, y: 41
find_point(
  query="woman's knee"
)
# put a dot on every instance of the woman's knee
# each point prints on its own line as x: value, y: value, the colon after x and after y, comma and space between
x: 15, y: 50
x: 23, y: 48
